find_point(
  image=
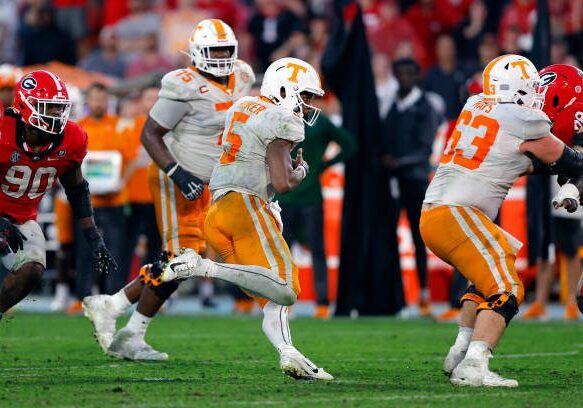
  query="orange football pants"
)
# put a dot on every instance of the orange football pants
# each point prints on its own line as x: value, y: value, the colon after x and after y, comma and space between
x: 180, y: 221
x: 468, y: 240
x: 242, y: 230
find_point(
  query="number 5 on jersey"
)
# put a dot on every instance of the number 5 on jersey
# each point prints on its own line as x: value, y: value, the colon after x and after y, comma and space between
x: 233, y: 139
x: 482, y: 142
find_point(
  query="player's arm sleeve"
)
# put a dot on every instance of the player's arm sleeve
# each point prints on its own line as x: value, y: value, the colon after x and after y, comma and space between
x: 168, y: 112
x: 77, y: 191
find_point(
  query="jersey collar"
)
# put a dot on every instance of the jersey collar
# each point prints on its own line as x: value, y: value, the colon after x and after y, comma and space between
x: 229, y: 89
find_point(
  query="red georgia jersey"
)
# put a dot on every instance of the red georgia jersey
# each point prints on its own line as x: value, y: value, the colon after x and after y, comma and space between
x: 26, y: 176
x: 568, y: 122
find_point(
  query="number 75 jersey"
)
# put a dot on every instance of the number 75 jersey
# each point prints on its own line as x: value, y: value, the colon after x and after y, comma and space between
x: 482, y: 159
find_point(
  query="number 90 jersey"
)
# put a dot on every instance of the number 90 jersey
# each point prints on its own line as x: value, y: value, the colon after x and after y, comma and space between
x: 482, y: 160
x: 250, y: 126
x: 26, y: 176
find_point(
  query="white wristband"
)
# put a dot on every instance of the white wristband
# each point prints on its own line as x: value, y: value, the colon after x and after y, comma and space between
x: 172, y: 170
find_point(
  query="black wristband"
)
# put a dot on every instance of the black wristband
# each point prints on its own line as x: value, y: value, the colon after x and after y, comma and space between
x: 93, y: 238
x: 538, y: 166
x: 570, y: 164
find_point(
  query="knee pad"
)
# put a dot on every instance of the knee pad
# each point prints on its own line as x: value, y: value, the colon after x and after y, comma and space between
x: 287, y: 297
x: 165, y: 289
x: 472, y: 294
x: 505, y: 304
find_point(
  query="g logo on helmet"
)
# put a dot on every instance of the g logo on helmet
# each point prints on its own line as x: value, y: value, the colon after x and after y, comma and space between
x: 29, y: 83
x: 548, y: 78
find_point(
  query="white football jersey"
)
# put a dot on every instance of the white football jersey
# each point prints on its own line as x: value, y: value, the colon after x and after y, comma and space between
x: 482, y: 159
x: 251, y: 125
x: 194, y: 140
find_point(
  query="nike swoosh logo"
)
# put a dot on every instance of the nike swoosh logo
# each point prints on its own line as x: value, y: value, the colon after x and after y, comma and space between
x: 177, y: 264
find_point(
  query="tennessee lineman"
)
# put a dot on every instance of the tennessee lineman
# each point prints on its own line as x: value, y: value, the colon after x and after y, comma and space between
x: 182, y: 136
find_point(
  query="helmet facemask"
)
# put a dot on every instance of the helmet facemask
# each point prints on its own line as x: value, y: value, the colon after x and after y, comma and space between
x: 292, y: 99
x: 310, y: 112
x: 531, y: 95
x: 48, y: 115
x: 218, y: 67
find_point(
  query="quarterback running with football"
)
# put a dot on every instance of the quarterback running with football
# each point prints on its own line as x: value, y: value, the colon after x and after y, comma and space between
x: 242, y: 225
x: 182, y: 135
x: 499, y: 136
x: 38, y: 146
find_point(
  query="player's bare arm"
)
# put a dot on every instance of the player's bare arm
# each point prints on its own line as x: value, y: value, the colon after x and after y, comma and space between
x: 286, y: 174
x: 562, y: 159
x: 77, y: 191
x: 152, y: 139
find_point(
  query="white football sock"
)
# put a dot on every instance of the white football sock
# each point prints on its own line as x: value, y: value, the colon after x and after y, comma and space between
x: 276, y: 325
x: 261, y: 281
x: 478, y: 350
x: 138, y: 323
x: 119, y: 302
x: 464, y: 336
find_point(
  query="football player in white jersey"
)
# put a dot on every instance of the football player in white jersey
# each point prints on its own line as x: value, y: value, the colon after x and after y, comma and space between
x: 498, y: 137
x: 242, y: 226
x: 182, y: 135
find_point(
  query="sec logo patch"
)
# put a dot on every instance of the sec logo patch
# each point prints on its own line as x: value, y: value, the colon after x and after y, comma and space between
x: 14, y: 157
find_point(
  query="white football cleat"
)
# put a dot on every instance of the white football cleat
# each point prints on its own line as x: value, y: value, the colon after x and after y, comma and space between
x: 474, y: 372
x: 131, y: 346
x: 453, y: 358
x: 296, y: 365
x: 186, y: 265
x: 98, y: 310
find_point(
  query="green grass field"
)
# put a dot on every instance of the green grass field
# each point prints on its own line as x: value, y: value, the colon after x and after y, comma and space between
x: 49, y: 360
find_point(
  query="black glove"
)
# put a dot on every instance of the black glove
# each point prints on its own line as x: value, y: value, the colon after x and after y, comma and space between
x: 190, y: 185
x: 11, y: 236
x: 103, y: 262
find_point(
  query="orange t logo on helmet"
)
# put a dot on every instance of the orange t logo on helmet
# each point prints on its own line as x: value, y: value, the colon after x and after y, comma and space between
x: 296, y: 68
x: 221, y: 33
x: 522, y: 65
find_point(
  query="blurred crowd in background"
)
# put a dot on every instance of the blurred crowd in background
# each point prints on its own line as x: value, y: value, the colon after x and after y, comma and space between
x: 426, y: 54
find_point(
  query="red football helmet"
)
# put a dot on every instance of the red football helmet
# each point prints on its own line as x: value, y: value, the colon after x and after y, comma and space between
x: 564, y: 86
x: 42, y: 99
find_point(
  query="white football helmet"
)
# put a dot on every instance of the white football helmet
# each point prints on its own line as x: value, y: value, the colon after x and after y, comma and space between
x: 513, y: 78
x: 209, y: 34
x: 285, y: 79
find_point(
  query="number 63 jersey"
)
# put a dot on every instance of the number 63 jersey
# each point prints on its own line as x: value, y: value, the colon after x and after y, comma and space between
x: 25, y: 176
x: 482, y: 160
